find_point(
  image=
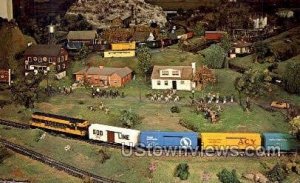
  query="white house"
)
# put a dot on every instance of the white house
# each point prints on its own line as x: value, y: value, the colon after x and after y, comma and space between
x: 173, y: 77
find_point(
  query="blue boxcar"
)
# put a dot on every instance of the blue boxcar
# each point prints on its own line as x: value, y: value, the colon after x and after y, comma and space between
x: 284, y: 141
x: 151, y: 139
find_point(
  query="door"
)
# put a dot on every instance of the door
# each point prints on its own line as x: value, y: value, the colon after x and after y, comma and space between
x: 174, y: 85
x: 110, y: 136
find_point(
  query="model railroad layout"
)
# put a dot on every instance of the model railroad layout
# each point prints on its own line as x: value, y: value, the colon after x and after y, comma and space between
x: 116, y: 137
x: 54, y: 163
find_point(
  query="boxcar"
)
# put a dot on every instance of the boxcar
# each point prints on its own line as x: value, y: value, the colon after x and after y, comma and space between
x: 128, y: 53
x: 151, y: 139
x: 280, y: 141
x: 239, y: 141
x: 113, y: 134
x: 72, y: 126
x: 123, y: 46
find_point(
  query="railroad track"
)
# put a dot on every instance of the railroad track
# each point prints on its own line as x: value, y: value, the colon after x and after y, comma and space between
x: 14, y: 124
x: 71, y: 170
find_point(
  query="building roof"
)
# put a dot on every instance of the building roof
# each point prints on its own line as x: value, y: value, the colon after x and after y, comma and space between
x: 186, y: 72
x: 82, y: 35
x: 140, y: 36
x: 241, y: 44
x: 42, y: 49
x: 105, y: 71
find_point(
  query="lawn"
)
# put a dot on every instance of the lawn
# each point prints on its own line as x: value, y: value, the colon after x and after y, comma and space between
x: 22, y: 168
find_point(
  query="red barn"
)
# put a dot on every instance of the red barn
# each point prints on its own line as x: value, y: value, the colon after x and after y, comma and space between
x: 214, y: 35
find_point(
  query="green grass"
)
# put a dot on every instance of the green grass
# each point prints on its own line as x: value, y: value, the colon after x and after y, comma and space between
x: 19, y: 167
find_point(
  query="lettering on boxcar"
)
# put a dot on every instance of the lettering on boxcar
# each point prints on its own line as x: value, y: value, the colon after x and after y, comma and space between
x: 123, y: 136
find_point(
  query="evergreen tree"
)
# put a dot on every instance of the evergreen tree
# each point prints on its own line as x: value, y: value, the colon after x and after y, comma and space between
x: 199, y: 29
x: 277, y: 174
x: 291, y: 78
x: 144, y: 61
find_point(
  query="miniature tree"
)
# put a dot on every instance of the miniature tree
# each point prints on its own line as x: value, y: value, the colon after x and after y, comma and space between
x: 25, y: 90
x: 291, y: 78
x: 199, y: 29
x: 225, y: 176
x: 129, y: 119
x: 277, y: 174
x: 144, y: 61
x: 215, y: 56
x: 261, y: 50
x: 252, y: 84
x: 182, y: 171
x: 226, y: 43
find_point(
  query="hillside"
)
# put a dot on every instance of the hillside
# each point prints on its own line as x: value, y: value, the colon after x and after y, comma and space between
x: 100, y: 12
x: 12, y: 42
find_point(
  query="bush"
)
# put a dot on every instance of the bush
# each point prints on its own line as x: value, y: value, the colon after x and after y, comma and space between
x: 291, y: 78
x: 182, y: 171
x: 189, y: 125
x: 175, y: 109
x: 226, y: 176
x: 129, y: 119
x: 215, y: 56
x: 104, y: 155
x: 277, y: 173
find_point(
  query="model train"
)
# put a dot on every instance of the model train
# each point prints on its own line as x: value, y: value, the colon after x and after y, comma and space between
x: 153, y: 139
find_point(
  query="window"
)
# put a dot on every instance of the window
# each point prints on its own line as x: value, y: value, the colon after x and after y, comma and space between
x: 50, y: 60
x: 58, y: 59
x: 58, y: 67
x: 45, y: 59
x: 166, y: 83
x: 66, y: 58
x: 165, y: 73
x: 64, y: 66
x: 182, y: 82
x: 158, y: 82
x: 175, y: 73
x: 29, y: 59
x: 62, y: 58
x: 40, y: 59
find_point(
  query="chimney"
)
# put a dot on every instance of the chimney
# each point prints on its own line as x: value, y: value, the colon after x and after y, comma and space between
x: 194, y: 68
x: 101, y: 66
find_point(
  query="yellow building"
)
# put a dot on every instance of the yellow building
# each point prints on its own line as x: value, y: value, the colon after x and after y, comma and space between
x: 124, y: 53
x: 123, y: 46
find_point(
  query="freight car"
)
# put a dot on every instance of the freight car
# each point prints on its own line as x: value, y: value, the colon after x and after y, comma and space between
x: 177, y: 140
x: 113, y: 134
x: 274, y: 142
x: 67, y: 125
x: 238, y: 141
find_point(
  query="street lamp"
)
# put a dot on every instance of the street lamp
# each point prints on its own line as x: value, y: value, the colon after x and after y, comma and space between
x: 193, y: 96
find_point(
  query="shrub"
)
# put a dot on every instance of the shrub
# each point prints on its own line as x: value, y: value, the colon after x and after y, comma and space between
x: 291, y: 78
x: 104, y: 155
x: 215, y: 56
x: 225, y: 176
x: 189, y: 125
x: 175, y: 109
x: 182, y: 171
x: 277, y: 174
x: 81, y: 102
x: 129, y: 119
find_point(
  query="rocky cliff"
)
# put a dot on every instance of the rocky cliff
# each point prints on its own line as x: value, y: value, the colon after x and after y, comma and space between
x: 100, y: 13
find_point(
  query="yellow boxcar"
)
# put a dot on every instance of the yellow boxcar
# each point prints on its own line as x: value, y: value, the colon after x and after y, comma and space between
x: 239, y: 141
x: 123, y: 46
x: 128, y: 53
